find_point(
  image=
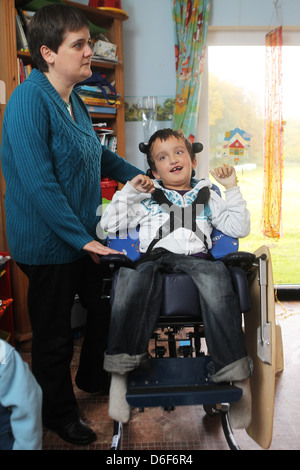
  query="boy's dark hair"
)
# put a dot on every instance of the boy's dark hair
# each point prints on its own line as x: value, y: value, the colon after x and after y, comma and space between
x: 163, y: 135
x: 49, y: 26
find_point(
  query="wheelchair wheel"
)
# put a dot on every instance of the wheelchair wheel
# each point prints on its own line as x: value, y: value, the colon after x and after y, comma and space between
x: 227, y: 429
x: 117, y: 437
x: 211, y: 410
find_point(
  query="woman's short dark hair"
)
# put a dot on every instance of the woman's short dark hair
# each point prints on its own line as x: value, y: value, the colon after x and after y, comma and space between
x: 49, y: 26
x: 163, y: 135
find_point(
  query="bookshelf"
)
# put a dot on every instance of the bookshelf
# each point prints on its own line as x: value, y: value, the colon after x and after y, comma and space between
x: 6, y: 308
x: 112, y: 22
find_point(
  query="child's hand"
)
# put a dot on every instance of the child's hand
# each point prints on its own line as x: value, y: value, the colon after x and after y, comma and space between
x: 225, y: 175
x: 143, y: 184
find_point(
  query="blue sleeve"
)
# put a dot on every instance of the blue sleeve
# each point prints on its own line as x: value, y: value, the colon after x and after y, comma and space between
x: 20, y: 391
x: 117, y: 168
x: 28, y: 132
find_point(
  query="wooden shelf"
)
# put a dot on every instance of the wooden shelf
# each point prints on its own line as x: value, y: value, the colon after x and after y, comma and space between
x: 6, y: 320
x: 103, y: 116
x: 103, y: 64
x: 97, y: 15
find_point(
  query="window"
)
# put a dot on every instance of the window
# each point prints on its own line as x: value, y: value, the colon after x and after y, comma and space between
x: 234, y: 85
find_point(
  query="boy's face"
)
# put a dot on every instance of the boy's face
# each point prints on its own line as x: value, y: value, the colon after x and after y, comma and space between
x: 173, y: 163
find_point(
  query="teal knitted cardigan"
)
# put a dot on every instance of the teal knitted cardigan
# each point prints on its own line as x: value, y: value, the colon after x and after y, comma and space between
x: 52, y: 166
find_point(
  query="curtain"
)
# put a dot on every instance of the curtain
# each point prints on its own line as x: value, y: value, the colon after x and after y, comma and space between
x: 191, y: 23
x: 273, y: 136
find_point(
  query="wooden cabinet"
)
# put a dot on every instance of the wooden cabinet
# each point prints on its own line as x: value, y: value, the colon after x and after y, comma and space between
x: 7, y: 331
x: 112, y: 22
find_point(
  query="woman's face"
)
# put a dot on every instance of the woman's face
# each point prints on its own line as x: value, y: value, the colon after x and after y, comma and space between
x: 73, y: 58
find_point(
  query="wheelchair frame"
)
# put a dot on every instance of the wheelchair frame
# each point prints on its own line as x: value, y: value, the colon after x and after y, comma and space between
x: 262, y: 342
x: 174, y: 381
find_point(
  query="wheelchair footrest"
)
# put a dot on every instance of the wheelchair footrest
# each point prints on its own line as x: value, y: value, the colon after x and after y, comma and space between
x: 171, y: 382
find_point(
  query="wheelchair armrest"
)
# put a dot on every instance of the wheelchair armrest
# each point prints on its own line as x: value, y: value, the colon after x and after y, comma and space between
x: 242, y: 259
x: 241, y: 288
x: 115, y: 261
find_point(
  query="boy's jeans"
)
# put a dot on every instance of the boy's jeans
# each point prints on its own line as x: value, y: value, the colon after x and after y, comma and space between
x: 137, y: 303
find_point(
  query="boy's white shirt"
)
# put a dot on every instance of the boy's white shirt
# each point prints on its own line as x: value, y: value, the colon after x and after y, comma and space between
x: 130, y: 208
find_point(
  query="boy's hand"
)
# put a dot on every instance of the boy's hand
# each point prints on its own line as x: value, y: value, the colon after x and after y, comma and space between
x: 225, y: 175
x: 143, y: 184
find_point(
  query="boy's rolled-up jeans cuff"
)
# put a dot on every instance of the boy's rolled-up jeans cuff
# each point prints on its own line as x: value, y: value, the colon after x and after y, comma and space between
x: 236, y: 371
x: 123, y: 363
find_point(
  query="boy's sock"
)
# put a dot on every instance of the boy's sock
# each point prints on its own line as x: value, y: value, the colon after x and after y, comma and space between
x: 118, y: 409
x: 240, y: 412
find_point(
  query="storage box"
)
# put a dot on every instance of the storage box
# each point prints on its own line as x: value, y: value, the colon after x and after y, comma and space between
x: 108, y: 188
x: 105, y: 49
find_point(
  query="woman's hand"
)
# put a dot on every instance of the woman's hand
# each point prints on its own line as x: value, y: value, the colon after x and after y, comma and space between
x: 96, y: 249
x: 143, y: 184
x: 225, y: 175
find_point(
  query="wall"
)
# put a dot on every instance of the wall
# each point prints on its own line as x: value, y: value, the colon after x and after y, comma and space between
x: 149, y: 67
x: 254, y: 13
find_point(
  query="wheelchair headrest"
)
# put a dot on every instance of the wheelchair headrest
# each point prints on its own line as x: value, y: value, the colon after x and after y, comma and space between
x: 197, y: 147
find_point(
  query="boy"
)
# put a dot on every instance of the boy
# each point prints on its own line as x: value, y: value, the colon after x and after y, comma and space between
x: 174, y: 247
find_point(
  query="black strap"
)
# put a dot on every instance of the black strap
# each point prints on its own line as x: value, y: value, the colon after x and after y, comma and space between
x: 159, y: 196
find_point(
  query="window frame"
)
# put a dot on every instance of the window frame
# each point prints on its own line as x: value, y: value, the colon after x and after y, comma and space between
x: 227, y: 36
x: 230, y: 36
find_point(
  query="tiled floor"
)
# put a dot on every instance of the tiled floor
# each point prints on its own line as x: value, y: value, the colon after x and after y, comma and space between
x: 189, y: 428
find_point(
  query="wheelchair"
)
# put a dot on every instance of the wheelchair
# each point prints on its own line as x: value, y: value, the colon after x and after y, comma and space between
x: 177, y: 374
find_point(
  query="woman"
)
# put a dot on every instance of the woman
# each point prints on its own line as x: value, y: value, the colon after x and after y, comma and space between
x: 52, y: 162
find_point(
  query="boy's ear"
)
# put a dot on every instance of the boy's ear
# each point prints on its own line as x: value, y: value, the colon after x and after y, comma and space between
x: 150, y: 174
x: 155, y: 174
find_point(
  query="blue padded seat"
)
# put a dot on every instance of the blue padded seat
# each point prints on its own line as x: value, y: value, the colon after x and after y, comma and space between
x: 180, y: 296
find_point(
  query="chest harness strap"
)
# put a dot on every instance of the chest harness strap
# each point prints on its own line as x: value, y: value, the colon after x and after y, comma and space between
x: 180, y: 216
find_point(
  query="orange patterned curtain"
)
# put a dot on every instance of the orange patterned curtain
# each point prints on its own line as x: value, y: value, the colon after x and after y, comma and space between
x: 273, y: 138
x: 191, y: 26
